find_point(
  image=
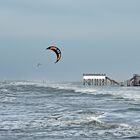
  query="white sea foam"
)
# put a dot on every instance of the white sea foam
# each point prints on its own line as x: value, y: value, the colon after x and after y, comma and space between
x: 24, y: 83
x: 126, y: 93
x: 126, y: 131
x: 132, y: 96
x: 7, y: 99
x: 4, y: 90
x: 71, y: 86
x: 93, y: 118
x: 87, y: 120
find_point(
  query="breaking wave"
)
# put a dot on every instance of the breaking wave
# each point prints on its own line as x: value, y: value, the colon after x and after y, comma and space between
x: 130, y: 93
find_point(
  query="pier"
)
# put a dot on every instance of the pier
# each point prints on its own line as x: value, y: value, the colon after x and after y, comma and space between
x: 98, y: 80
x: 104, y: 80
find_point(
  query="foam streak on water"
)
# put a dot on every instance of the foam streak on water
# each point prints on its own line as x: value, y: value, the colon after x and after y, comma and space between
x: 43, y: 110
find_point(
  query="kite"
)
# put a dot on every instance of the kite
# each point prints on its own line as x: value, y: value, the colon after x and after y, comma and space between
x: 57, y: 51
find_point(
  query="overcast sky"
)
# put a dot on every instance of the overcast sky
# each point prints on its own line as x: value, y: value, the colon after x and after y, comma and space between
x: 95, y: 36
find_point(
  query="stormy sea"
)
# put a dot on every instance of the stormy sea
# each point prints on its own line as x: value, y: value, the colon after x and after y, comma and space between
x: 42, y: 110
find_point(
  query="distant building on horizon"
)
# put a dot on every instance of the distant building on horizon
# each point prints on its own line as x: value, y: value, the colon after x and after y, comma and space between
x: 135, y: 80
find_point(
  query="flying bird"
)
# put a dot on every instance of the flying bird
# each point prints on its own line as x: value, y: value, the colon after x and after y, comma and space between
x: 38, y: 65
